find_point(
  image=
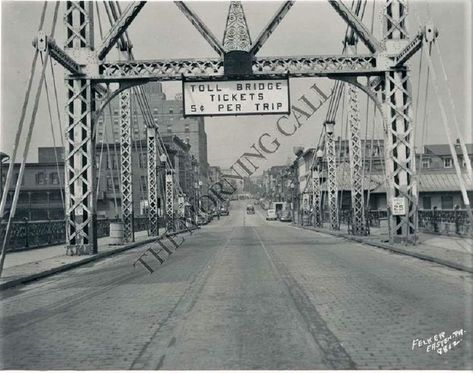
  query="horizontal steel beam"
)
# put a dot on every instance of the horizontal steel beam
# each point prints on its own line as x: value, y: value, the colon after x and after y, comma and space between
x: 201, y: 27
x: 357, y: 26
x: 304, y: 66
x: 126, y: 18
x: 271, y: 26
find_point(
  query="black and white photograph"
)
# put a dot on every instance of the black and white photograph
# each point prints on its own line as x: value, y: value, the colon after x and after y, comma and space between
x: 236, y: 185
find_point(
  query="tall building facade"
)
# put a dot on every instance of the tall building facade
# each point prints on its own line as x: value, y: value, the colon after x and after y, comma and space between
x: 167, y: 113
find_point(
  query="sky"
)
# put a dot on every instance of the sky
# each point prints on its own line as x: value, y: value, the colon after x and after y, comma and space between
x: 310, y: 28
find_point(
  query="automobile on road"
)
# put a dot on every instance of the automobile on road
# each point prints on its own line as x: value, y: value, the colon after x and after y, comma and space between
x: 271, y: 214
x: 250, y: 209
x: 285, y: 215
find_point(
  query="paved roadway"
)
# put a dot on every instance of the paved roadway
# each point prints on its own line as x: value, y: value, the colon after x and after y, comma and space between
x: 242, y: 293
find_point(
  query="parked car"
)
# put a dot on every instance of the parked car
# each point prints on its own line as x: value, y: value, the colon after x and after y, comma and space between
x: 271, y: 214
x: 285, y: 215
x: 250, y: 209
x: 224, y: 211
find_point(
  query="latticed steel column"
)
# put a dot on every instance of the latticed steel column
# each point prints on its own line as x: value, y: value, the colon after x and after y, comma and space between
x: 356, y: 164
x: 153, y: 181
x: 400, y: 152
x: 181, y: 206
x: 169, y: 201
x: 316, y: 199
x: 332, y: 189
x: 126, y: 166
x: 81, y: 217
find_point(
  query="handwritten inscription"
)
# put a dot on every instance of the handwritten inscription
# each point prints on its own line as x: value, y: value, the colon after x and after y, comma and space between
x: 440, y: 343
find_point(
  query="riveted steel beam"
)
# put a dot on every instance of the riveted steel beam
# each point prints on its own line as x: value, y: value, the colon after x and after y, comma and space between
x: 208, y: 68
x: 271, y: 26
x: 201, y: 27
x: 357, y: 26
x: 121, y: 25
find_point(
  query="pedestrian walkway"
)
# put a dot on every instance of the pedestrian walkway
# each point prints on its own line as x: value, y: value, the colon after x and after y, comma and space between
x: 32, y: 264
x: 455, y: 252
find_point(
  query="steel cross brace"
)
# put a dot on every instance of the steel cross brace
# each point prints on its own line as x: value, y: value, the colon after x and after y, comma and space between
x: 357, y: 26
x: 201, y: 27
x: 120, y: 26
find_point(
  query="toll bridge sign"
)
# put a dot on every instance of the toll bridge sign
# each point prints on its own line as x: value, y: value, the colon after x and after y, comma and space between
x: 236, y: 97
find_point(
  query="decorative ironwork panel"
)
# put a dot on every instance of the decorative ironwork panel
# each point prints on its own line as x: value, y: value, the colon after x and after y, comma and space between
x: 300, y: 66
x: 153, y: 182
x: 236, y: 36
x: 126, y: 166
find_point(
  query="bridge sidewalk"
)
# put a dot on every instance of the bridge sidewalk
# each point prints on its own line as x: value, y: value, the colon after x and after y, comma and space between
x: 454, y: 252
x: 24, y: 266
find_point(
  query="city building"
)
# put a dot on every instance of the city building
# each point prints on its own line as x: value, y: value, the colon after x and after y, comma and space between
x: 42, y: 191
x: 438, y: 185
x: 167, y: 113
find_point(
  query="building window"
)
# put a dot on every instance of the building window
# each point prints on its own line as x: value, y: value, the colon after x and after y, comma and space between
x: 171, y: 111
x: 155, y: 110
x: 447, y: 202
x: 54, y: 178
x: 109, y: 184
x: 40, y: 178
x: 117, y: 184
x: 144, y: 183
x: 426, y: 203
x: 143, y: 160
x: 447, y: 162
x: 115, y: 122
x: 426, y: 162
x: 169, y: 129
x: 114, y: 162
x: 115, y: 112
x: 186, y: 128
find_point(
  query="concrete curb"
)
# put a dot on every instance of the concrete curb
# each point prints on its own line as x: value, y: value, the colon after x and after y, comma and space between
x: 395, y: 249
x: 65, y: 267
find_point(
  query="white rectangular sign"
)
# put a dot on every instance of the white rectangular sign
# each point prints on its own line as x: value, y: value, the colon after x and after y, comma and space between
x: 399, y: 206
x: 236, y: 97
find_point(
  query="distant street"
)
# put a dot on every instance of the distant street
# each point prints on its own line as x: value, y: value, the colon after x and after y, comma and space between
x: 242, y: 293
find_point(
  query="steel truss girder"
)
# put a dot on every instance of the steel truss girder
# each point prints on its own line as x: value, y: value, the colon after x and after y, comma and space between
x: 271, y: 26
x: 303, y: 66
x: 201, y: 27
x: 317, y: 199
x: 332, y: 190
x: 126, y: 166
x: 169, y: 201
x: 153, y: 181
x: 357, y: 26
x: 117, y: 30
x: 356, y: 164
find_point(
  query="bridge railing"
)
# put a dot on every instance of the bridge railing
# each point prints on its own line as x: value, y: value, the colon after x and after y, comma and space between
x: 33, y: 234
x: 451, y: 221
